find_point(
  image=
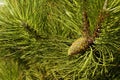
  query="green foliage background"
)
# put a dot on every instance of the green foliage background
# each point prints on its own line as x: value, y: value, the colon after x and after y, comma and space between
x: 36, y: 34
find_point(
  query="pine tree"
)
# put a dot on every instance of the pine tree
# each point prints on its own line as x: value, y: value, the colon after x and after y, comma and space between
x: 60, y: 40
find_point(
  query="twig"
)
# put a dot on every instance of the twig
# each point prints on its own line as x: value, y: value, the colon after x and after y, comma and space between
x: 86, y: 24
x: 31, y: 31
x: 100, y: 20
x: 85, y: 20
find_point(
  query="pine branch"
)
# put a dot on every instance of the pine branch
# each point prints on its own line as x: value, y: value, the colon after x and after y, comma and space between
x: 101, y: 17
x: 85, y: 20
x: 32, y: 32
x: 84, y: 42
x: 81, y: 44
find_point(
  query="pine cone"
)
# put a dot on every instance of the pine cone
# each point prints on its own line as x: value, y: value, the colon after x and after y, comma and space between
x: 78, y: 46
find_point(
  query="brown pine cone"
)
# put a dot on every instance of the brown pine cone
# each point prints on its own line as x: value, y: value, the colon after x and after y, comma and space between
x: 79, y: 45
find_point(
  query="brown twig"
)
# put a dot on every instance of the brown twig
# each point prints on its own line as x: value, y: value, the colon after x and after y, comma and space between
x: 98, y: 25
x: 85, y: 20
x: 86, y: 24
x: 101, y: 18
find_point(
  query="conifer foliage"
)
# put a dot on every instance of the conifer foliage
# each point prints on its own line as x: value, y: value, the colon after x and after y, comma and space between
x: 39, y: 37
